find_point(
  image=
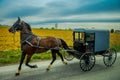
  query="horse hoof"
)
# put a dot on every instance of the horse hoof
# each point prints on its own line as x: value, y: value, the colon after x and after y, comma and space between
x: 17, y: 74
x: 65, y: 62
x: 47, y: 69
x: 35, y: 66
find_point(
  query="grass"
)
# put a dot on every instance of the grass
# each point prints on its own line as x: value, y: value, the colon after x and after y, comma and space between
x: 116, y: 47
x: 9, y: 57
x: 13, y: 57
x: 43, y: 56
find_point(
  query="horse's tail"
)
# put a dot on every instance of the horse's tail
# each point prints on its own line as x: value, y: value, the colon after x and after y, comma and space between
x: 65, y: 46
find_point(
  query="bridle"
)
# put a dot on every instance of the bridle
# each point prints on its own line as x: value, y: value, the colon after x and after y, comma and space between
x: 17, y: 25
x: 27, y: 39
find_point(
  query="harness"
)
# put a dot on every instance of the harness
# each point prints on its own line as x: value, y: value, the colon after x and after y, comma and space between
x: 29, y: 37
x: 27, y: 40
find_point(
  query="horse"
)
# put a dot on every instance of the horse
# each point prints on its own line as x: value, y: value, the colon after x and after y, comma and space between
x: 31, y: 44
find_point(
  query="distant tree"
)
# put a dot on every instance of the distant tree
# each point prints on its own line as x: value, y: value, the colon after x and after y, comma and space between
x: 46, y: 28
x: 112, y: 31
x: 41, y: 27
x: 69, y: 29
x: 52, y: 28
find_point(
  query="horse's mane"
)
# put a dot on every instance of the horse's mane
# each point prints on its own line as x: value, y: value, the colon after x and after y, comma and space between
x: 28, y: 26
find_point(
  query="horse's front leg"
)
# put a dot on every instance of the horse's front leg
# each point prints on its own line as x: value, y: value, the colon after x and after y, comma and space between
x: 21, y: 62
x: 28, y: 60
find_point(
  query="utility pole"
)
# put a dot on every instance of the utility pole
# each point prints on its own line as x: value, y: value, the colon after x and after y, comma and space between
x: 56, y: 25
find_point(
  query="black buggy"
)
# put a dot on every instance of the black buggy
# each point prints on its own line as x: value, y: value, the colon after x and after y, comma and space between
x: 90, y: 42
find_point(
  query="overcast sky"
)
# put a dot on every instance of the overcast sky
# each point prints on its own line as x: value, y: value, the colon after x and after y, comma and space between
x: 38, y: 12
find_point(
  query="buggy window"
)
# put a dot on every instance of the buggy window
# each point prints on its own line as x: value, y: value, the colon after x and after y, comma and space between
x: 78, y: 36
x: 90, y: 37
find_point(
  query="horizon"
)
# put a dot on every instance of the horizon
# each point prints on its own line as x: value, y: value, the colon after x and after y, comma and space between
x: 88, y: 25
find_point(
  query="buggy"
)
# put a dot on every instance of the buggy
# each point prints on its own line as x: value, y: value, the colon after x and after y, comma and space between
x: 90, y: 42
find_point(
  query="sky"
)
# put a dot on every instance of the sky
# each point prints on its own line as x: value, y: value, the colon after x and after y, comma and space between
x: 37, y: 12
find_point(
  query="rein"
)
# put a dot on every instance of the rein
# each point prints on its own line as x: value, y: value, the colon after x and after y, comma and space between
x: 14, y: 41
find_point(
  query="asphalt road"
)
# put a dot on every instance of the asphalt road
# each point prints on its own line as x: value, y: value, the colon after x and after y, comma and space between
x: 59, y: 71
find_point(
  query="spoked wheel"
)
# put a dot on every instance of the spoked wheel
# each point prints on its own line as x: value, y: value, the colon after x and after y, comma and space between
x: 109, y: 57
x: 68, y: 56
x: 87, y: 61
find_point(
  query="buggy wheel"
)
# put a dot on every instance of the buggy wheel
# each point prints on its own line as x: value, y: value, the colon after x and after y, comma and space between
x: 109, y: 57
x: 68, y: 56
x: 87, y: 61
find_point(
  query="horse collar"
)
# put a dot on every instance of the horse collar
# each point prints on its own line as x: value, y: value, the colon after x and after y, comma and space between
x: 27, y: 38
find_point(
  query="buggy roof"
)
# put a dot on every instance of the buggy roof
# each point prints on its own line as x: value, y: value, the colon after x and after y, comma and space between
x: 89, y: 30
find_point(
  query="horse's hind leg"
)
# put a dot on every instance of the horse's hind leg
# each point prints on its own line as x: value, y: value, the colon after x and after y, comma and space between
x: 59, y: 54
x: 28, y: 60
x: 21, y: 62
x: 54, y: 58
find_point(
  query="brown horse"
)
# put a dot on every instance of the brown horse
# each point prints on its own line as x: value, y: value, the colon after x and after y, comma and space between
x: 31, y: 44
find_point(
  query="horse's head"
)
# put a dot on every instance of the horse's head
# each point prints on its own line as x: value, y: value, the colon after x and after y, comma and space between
x: 16, y: 26
x: 19, y: 26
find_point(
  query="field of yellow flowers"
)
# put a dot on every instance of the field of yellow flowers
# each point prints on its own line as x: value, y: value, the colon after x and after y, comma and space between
x: 9, y: 41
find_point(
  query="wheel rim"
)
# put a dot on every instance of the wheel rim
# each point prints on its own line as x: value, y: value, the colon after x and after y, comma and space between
x: 87, y: 61
x: 110, y: 57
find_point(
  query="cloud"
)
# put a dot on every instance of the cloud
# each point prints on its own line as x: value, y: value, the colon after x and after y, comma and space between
x: 94, y: 6
x: 74, y: 21
x: 103, y: 17
x: 23, y: 12
x: 50, y: 11
x: 64, y: 7
x: 103, y: 6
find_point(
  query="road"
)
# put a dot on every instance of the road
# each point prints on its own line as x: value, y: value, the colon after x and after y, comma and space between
x: 59, y: 71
